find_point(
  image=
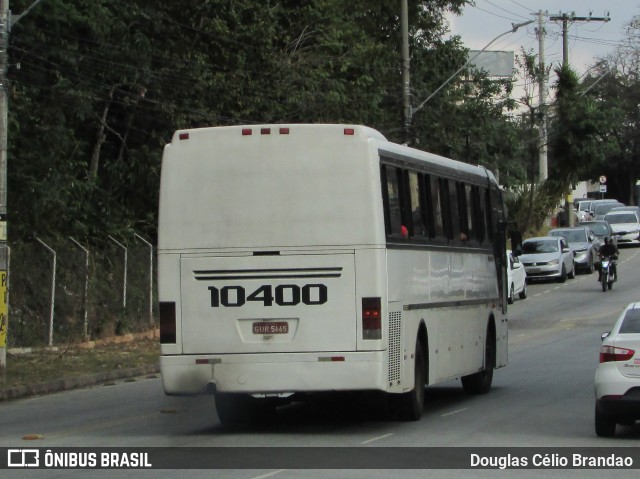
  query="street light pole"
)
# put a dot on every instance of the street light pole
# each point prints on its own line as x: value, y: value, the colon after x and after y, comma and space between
x: 514, y: 28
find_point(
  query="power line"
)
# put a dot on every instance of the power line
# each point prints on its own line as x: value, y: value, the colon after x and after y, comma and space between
x: 505, y: 10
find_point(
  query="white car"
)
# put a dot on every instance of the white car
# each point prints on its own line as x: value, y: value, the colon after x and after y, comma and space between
x: 626, y: 225
x: 516, y: 278
x: 617, y: 382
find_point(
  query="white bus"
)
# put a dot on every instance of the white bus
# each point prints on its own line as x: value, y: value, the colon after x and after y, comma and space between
x: 297, y: 259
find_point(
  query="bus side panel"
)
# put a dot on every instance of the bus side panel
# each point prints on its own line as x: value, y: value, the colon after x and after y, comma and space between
x: 441, y: 288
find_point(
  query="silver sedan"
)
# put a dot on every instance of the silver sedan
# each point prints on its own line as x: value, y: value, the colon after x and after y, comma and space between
x: 548, y: 257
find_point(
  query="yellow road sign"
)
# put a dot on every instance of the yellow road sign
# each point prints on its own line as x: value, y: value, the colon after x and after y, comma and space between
x: 4, y: 310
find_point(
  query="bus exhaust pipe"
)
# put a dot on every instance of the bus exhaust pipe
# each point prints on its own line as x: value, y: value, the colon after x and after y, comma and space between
x: 211, y: 388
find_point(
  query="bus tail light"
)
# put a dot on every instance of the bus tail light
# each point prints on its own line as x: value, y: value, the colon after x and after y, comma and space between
x: 167, y: 322
x: 371, y: 318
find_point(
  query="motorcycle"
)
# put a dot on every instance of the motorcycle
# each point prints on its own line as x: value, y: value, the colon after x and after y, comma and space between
x: 607, y: 276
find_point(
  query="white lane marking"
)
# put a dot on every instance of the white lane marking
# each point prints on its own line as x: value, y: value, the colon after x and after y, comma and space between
x: 368, y: 441
x: 269, y: 474
x: 453, y: 412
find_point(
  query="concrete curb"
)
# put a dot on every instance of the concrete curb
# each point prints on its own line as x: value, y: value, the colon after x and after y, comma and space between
x: 75, y: 382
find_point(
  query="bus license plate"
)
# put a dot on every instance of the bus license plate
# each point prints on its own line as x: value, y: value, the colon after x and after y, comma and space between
x: 268, y: 327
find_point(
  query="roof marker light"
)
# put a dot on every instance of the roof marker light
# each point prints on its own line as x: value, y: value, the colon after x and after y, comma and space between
x: 349, y: 131
x: 265, y: 131
x: 284, y: 131
x: 183, y: 136
x: 247, y: 131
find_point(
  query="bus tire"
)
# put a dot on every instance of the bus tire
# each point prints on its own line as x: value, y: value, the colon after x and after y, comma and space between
x: 242, y: 408
x: 231, y: 408
x: 480, y: 382
x: 409, y: 406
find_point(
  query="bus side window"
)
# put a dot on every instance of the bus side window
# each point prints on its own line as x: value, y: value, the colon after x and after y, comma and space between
x: 464, y: 206
x: 478, y: 213
x: 427, y: 204
x: 392, y: 200
x: 488, y: 212
x: 419, y: 226
x: 453, y: 216
x: 436, y: 208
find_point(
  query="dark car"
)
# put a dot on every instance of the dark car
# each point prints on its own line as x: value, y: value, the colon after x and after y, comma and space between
x: 583, y: 243
x: 599, y: 210
x: 601, y: 229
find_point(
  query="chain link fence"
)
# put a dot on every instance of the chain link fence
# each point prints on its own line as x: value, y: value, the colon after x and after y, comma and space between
x: 61, y: 291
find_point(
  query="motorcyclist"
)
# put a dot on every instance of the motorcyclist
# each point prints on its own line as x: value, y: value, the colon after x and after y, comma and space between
x: 609, y: 250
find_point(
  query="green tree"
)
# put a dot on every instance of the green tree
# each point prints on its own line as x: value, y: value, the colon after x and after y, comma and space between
x: 616, y: 86
x: 98, y: 87
x: 577, y: 131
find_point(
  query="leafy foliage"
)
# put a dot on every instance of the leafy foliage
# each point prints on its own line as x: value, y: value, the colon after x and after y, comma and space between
x: 577, y: 140
x: 98, y: 87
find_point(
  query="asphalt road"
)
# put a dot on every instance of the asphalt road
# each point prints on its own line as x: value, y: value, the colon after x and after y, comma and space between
x: 543, y: 398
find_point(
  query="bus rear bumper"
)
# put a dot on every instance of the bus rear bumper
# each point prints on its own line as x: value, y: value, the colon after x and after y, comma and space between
x: 273, y: 373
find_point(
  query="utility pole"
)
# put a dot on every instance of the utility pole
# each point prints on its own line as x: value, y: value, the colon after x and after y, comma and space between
x: 543, y: 172
x: 565, y: 18
x: 4, y: 253
x: 6, y: 22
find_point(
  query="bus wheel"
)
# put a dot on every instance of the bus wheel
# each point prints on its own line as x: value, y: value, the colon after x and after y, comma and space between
x: 232, y: 408
x: 242, y: 408
x: 480, y: 382
x: 409, y: 406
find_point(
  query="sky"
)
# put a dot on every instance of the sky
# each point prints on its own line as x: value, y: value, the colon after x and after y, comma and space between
x: 588, y: 41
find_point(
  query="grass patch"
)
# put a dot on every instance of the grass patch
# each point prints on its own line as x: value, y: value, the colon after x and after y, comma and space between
x: 44, y: 365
